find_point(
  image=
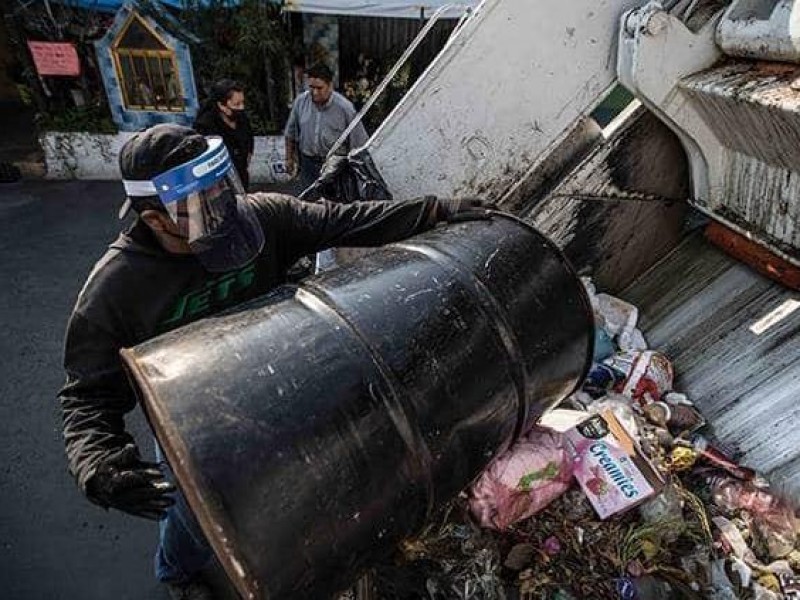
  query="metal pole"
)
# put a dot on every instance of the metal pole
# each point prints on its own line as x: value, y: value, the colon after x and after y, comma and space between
x: 389, y: 76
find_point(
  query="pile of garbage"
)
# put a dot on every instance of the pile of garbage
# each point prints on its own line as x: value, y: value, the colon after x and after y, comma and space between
x: 621, y: 492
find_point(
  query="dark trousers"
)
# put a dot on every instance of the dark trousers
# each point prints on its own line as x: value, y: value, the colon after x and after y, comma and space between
x: 244, y: 176
x: 310, y: 167
x: 182, y: 548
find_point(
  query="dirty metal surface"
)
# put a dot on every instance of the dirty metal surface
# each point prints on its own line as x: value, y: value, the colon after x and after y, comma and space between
x: 753, y: 110
x: 613, y: 240
x: 734, y: 339
x: 743, y: 98
x: 641, y: 158
x: 546, y: 173
x: 504, y: 92
x: 764, y: 30
x: 621, y: 209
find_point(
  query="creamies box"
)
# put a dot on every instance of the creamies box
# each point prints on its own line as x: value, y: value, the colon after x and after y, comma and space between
x: 609, y: 466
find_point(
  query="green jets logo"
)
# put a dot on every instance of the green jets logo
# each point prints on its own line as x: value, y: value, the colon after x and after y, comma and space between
x: 215, y: 294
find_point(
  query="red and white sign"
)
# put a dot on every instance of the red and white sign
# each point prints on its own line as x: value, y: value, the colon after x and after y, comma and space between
x: 55, y: 58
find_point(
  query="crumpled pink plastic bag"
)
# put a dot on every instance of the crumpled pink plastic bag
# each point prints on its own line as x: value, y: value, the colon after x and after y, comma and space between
x: 523, y: 480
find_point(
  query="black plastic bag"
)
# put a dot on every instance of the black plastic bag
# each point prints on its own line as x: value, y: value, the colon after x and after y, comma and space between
x: 347, y: 179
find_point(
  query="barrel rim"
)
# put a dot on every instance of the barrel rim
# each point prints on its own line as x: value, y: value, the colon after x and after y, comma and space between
x: 584, y: 295
x: 213, y: 522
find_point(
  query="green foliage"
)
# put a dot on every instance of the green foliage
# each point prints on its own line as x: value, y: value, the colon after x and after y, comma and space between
x: 80, y: 118
x: 248, y: 43
x: 366, y: 79
x: 614, y: 103
x: 263, y: 126
x: 25, y: 94
x: 54, y: 98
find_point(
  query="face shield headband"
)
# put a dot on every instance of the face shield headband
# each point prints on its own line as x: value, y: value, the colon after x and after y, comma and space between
x: 205, y: 199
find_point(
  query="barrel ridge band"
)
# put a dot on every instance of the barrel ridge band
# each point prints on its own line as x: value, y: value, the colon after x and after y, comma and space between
x: 489, y: 305
x: 317, y: 300
x: 584, y: 296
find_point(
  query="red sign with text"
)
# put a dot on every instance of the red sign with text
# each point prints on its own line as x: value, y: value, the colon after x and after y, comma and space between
x: 55, y: 58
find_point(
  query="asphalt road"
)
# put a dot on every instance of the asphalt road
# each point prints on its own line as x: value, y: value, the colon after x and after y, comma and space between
x: 54, y: 544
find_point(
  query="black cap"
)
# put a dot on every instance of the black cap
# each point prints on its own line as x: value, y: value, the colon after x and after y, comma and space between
x: 156, y: 150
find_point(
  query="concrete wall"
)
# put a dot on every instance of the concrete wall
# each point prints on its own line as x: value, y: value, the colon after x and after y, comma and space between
x: 77, y: 155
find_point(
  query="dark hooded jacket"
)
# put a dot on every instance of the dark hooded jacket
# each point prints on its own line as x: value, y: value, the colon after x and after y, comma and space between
x: 239, y: 140
x: 138, y: 290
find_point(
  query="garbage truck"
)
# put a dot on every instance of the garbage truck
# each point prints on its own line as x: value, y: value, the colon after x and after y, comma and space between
x: 685, y: 203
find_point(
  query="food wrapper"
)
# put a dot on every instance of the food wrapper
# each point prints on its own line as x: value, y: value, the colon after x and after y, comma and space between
x: 647, y: 375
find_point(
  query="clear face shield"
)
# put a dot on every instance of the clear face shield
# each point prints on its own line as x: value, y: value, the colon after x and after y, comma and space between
x: 207, y: 202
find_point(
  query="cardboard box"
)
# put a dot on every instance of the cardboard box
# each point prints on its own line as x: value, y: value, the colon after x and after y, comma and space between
x: 609, y: 466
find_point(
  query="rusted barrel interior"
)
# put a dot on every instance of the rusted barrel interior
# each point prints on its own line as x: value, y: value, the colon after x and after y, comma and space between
x: 314, y: 428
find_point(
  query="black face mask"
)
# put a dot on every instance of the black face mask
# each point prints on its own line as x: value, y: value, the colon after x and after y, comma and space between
x: 228, y: 112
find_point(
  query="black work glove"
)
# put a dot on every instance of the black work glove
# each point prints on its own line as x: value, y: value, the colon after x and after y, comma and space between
x: 129, y: 484
x: 331, y: 169
x: 326, y: 180
x: 455, y: 210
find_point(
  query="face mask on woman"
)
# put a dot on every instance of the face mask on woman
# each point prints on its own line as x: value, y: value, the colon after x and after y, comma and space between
x: 233, y: 107
x: 236, y: 113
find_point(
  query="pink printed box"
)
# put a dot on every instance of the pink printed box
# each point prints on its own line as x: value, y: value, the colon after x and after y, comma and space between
x: 609, y: 466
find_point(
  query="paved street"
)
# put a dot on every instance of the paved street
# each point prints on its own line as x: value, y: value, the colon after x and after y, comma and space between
x: 53, y: 543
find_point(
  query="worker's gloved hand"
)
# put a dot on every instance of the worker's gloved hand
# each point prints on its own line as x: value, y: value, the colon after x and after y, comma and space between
x: 325, y: 185
x: 331, y: 168
x: 455, y: 210
x: 129, y: 484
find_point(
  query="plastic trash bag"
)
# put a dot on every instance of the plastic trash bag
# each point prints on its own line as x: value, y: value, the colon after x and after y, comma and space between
x: 777, y: 531
x: 721, y: 587
x: 346, y: 179
x: 619, y: 320
x: 666, y: 507
x: 773, y: 518
x: 522, y: 481
x: 621, y: 407
x: 603, y: 344
x: 616, y: 317
x: 762, y: 593
x: 732, y: 537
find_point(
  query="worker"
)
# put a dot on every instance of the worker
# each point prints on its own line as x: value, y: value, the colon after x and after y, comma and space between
x: 224, y: 115
x: 318, y: 117
x: 198, y: 244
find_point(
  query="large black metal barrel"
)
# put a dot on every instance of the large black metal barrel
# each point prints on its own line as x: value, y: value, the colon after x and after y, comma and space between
x: 313, y: 429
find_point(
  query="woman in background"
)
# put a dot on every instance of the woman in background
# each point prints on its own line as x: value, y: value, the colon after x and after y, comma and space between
x: 223, y: 115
